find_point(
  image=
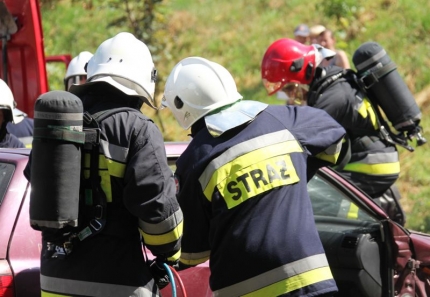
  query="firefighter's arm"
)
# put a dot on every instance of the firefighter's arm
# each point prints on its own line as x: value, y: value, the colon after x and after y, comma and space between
x: 331, y: 153
x: 322, y: 137
x: 150, y: 194
x: 328, y: 157
x: 197, y: 211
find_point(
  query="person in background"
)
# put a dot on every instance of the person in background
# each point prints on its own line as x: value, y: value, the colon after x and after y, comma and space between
x: 138, y: 184
x: 314, y: 32
x: 7, y: 115
x: 301, y: 33
x: 327, y: 40
x: 24, y: 129
x: 367, y: 159
x: 243, y: 185
x: 76, y: 73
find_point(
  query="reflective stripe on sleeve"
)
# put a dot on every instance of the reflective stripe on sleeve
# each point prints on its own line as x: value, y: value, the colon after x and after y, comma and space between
x: 281, y: 280
x: 175, y: 257
x: 160, y: 239
x: 331, y: 154
x: 192, y: 259
x: 377, y: 164
x: 55, y: 287
x: 164, y: 226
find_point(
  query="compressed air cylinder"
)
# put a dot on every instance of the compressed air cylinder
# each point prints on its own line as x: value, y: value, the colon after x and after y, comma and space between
x: 56, y: 161
x: 389, y: 91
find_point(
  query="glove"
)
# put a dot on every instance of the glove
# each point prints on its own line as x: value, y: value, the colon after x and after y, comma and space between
x: 159, y: 273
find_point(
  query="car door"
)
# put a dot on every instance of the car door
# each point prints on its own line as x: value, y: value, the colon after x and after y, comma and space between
x: 369, y: 255
x: 355, y: 235
x: 19, y: 243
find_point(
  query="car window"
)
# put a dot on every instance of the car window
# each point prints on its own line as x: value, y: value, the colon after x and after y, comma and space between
x: 172, y: 163
x: 330, y: 201
x: 6, y: 173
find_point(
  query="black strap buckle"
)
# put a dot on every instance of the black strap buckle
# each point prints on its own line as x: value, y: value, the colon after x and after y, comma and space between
x: 92, y: 135
x: 96, y: 224
x: 369, y: 80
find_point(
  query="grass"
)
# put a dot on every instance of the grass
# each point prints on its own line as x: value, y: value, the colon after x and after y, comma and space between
x: 236, y: 35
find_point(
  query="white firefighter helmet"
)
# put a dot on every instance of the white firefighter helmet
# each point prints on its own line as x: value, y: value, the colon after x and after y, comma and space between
x: 196, y: 87
x: 124, y: 62
x: 7, y: 103
x: 76, y: 70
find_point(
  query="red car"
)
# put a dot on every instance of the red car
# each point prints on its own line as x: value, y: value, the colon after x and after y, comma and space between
x: 369, y: 255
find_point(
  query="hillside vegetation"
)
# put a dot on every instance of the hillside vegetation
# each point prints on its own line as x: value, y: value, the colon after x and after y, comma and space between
x: 236, y: 35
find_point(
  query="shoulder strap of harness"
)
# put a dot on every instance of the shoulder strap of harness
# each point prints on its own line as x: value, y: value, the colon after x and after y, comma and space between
x: 362, y: 84
x: 91, y: 191
x: 321, y: 85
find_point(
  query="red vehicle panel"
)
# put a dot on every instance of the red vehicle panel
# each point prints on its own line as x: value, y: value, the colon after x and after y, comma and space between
x: 23, y: 55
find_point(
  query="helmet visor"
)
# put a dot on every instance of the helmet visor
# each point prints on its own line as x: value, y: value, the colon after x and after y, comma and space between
x: 296, y: 93
x: 272, y: 87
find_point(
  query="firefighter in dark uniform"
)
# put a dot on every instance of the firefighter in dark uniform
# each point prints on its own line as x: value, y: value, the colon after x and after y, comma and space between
x: 24, y: 129
x: 7, y: 115
x: 366, y: 160
x: 243, y: 185
x: 135, y: 177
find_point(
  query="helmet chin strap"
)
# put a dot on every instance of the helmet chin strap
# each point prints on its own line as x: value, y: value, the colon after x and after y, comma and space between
x: 309, y: 70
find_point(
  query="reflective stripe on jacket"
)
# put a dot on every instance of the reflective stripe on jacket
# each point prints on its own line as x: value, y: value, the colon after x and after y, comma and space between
x: 246, y: 206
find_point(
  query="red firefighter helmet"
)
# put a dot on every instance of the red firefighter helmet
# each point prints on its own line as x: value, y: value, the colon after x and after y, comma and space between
x: 289, y: 61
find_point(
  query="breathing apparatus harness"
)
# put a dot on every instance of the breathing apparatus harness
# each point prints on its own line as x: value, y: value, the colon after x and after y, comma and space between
x: 363, y: 84
x: 92, y: 201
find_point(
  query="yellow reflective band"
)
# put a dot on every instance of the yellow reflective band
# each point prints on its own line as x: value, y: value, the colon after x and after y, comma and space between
x: 115, y: 169
x: 366, y: 110
x: 107, y: 168
x: 256, y: 179
x: 293, y: 283
x: 175, y: 257
x: 375, y: 169
x: 192, y: 259
x: 47, y: 294
x: 352, y: 212
x: 194, y: 262
x: 106, y: 185
x: 331, y: 153
x: 255, y: 158
x: 166, y: 238
x: 329, y: 158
